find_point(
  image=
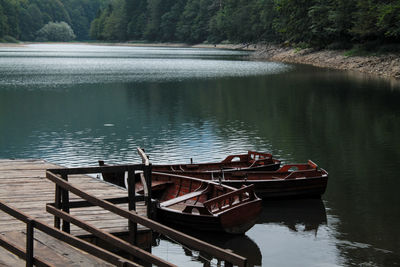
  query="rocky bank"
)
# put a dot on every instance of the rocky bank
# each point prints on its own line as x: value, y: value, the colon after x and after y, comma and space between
x: 387, y: 65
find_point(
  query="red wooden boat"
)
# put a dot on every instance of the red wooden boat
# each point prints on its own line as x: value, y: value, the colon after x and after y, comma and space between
x: 203, y: 205
x: 252, y: 161
x: 290, y: 181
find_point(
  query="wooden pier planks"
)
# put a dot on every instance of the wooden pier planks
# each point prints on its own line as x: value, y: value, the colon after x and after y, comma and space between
x: 23, y: 186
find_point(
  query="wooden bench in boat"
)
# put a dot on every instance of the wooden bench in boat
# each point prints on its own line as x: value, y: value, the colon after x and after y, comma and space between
x: 184, y: 197
x: 198, y: 207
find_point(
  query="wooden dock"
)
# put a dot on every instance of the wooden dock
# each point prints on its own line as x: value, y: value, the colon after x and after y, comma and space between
x: 23, y: 185
x: 35, y: 196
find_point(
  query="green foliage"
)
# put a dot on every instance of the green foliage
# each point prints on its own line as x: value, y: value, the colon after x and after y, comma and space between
x: 317, y: 23
x: 136, y: 12
x: 388, y: 20
x: 3, y: 22
x: 335, y: 24
x: 55, y: 31
x: 169, y: 21
x: 21, y: 19
x: 53, y: 10
x: 293, y: 22
x: 82, y: 13
x: 193, y: 25
x: 365, y: 20
x: 8, y: 39
x: 30, y: 22
x: 239, y: 21
x: 9, y: 18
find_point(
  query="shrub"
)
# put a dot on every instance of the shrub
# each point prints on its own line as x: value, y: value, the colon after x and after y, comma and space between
x: 8, y: 39
x: 55, y: 31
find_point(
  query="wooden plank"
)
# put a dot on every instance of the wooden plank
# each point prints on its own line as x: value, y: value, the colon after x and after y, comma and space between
x: 21, y: 173
x: 18, y: 238
x: 23, y: 185
x: 9, y: 259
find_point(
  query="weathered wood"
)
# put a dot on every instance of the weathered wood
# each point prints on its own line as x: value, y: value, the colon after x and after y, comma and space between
x: 117, y: 242
x: 133, y: 216
x: 182, y: 198
x: 132, y: 206
x: 9, y: 259
x: 92, y: 190
x: 29, y: 242
x: 23, y: 185
x: 18, y: 251
x: 61, y: 236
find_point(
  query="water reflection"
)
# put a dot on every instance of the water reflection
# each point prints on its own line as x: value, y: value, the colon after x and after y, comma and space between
x: 239, y: 244
x: 301, y: 215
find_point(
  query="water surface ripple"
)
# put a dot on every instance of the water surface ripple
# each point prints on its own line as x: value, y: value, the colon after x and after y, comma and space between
x: 75, y: 104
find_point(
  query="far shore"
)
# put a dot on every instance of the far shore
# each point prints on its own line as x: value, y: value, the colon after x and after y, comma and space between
x: 387, y: 65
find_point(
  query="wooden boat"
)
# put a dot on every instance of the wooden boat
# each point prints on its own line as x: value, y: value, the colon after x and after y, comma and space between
x: 252, y: 161
x: 289, y: 181
x: 203, y: 205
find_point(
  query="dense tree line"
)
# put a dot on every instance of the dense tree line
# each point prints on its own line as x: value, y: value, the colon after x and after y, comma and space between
x: 22, y: 19
x: 317, y: 23
x: 321, y: 23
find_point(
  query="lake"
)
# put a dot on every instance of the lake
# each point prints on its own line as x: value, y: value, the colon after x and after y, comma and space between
x: 75, y: 104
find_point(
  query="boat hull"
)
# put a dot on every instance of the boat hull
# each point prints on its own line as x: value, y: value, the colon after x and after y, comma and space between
x: 313, y: 187
x: 215, y: 167
x: 236, y: 221
x: 290, y: 181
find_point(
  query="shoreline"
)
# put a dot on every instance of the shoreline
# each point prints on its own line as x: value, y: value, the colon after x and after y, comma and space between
x: 386, y: 65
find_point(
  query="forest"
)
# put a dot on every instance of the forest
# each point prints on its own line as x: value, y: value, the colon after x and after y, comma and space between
x: 333, y: 24
x: 23, y: 19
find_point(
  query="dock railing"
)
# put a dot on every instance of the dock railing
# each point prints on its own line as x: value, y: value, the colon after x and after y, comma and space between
x: 28, y: 253
x: 60, y: 209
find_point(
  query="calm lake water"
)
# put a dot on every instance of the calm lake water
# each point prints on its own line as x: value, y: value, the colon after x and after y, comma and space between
x: 75, y: 104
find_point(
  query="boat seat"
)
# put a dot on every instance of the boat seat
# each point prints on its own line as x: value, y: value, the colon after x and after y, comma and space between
x: 197, y: 207
x: 182, y: 198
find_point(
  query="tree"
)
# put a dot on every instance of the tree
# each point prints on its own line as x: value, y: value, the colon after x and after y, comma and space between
x: 30, y: 22
x: 3, y: 23
x: 320, y: 23
x: 56, y: 31
x: 193, y: 26
x: 169, y: 21
x: 136, y: 12
x: 365, y: 20
x: 388, y: 20
x: 293, y: 22
x: 155, y: 11
x: 9, y: 18
x: 53, y: 9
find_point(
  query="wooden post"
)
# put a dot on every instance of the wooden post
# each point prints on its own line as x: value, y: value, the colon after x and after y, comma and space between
x: 65, y: 204
x: 147, y: 176
x: 132, y: 205
x: 29, y: 243
x: 57, y: 204
x: 228, y: 264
